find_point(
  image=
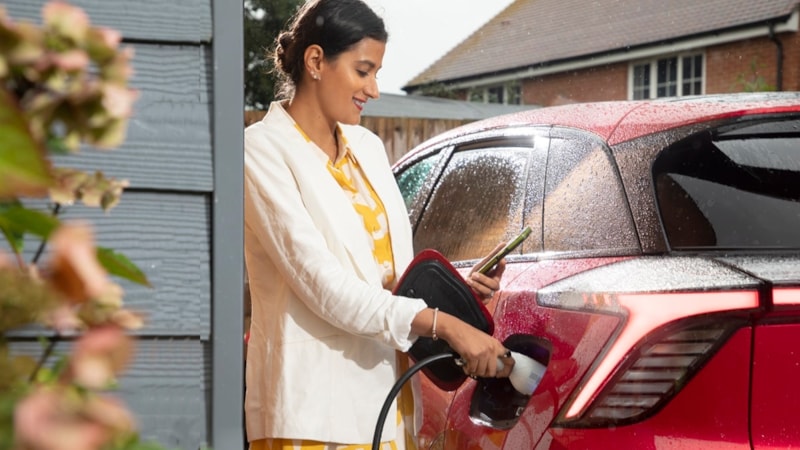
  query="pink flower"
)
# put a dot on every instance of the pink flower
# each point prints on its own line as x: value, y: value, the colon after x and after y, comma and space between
x: 46, y: 421
x: 118, y: 100
x: 71, y: 60
x: 66, y: 20
x: 109, y: 37
x: 75, y: 270
x: 99, y: 355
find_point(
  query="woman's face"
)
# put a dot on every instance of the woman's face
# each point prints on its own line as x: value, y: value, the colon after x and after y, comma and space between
x: 349, y: 80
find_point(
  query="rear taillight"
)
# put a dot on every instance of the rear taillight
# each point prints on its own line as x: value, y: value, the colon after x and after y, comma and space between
x: 786, y: 297
x: 657, y: 371
x: 662, y: 341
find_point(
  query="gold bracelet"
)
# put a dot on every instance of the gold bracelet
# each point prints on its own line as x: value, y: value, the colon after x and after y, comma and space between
x: 433, y: 328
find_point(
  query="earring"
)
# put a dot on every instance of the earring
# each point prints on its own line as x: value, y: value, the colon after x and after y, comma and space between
x: 315, y: 76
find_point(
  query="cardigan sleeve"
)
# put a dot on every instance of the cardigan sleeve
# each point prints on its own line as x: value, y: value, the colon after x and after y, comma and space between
x: 318, y: 270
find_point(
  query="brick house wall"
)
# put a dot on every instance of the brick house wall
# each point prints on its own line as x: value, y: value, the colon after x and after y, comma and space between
x: 725, y: 64
x: 586, y: 85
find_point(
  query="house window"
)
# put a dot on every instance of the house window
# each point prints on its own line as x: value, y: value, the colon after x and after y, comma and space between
x: 676, y: 76
x: 495, y: 94
x: 506, y: 94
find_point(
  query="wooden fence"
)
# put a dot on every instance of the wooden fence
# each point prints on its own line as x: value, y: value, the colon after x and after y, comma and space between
x: 399, y: 134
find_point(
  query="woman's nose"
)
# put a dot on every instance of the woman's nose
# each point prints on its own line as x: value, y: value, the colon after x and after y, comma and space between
x: 371, y: 88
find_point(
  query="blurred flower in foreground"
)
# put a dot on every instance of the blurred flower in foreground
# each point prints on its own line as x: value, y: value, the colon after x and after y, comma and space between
x: 63, y: 84
x: 99, y: 356
x: 62, y: 418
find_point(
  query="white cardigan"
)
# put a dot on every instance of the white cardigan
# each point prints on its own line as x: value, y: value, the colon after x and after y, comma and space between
x: 323, y: 335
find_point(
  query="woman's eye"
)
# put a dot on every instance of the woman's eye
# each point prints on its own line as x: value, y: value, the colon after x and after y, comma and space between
x: 362, y: 73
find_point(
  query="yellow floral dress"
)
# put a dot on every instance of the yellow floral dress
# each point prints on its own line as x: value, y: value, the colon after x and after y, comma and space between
x: 368, y: 205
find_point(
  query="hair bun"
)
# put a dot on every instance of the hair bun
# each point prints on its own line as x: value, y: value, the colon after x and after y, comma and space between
x: 282, y: 50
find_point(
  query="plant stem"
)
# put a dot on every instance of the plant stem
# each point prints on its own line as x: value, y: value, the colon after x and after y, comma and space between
x: 51, y: 345
x: 43, y: 244
x: 51, y: 342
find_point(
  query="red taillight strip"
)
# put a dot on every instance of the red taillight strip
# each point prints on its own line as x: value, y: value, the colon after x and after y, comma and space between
x: 645, y: 314
x: 785, y: 296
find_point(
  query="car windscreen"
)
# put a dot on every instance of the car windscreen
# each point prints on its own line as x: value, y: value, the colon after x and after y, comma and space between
x: 736, y: 188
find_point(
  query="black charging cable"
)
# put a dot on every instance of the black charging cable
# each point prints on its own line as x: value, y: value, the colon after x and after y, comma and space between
x: 376, y: 439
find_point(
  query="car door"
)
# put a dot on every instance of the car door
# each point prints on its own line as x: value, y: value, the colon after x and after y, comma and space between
x: 464, y: 198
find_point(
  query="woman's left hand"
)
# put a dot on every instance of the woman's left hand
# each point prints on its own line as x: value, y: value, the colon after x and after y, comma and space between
x: 487, y: 285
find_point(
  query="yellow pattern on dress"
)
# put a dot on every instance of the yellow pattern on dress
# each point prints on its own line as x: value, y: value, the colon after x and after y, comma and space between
x: 368, y: 205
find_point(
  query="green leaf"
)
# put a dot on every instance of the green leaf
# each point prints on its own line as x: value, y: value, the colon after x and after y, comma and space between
x: 57, y: 146
x: 16, y: 220
x: 24, y: 169
x: 14, y: 237
x: 118, y: 264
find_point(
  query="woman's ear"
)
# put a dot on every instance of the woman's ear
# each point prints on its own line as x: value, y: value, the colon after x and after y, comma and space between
x: 313, y: 58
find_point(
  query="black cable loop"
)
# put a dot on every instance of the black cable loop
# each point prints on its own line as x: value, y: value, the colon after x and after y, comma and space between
x: 376, y: 439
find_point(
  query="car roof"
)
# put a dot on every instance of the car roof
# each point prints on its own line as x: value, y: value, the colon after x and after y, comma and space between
x: 621, y: 121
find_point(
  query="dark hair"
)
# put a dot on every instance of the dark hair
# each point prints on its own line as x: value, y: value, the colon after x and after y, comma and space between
x: 334, y: 25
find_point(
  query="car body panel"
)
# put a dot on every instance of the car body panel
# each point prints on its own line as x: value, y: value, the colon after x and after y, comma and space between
x: 718, y: 421
x: 776, y: 371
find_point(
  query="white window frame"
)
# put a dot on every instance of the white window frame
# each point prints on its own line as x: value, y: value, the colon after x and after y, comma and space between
x: 652, y: 65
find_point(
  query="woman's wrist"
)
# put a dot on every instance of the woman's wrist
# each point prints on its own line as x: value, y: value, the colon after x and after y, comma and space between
x: 444, y: 325
x: 434, y: 336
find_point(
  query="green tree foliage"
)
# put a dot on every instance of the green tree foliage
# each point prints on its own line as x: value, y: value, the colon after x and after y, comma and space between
x: 263, y: 21
x: 752, y: 80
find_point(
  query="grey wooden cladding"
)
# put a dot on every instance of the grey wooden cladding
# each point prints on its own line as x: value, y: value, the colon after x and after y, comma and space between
x: 151, y: 20
x: 168, y: 142
x: 167, y: 236
x: 164, y: 387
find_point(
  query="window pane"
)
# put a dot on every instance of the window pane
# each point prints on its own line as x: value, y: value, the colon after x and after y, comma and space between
x: 736, y: 192
x: 495, y: 94
x: 667, y: 77
x: 476, y: 96
x: 413, y: 178
x: 585, y: 206
x: 477, y: 204
x: 692, y: 75
x: 698, y: 66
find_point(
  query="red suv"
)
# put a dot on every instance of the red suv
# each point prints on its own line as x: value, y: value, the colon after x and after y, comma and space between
x: 660, y: 285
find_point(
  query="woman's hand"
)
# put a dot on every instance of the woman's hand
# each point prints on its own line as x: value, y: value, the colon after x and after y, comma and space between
x: 487, y: 285
x: 479, y: 351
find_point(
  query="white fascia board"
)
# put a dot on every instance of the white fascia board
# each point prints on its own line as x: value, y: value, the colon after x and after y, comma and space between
x: 790, y: 25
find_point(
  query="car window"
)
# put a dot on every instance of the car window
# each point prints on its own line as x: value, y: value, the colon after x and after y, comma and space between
x: 413, y: 178
x: 738, y: 189
x: 479, y: 202
x: 585, y: 205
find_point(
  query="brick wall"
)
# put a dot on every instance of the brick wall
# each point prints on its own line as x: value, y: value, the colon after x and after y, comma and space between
x: 587, y: 85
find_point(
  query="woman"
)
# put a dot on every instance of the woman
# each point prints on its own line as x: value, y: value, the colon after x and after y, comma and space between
x: 326, y: 237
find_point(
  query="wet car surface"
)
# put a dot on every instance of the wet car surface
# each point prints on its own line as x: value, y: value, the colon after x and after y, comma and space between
x: 660, y: 285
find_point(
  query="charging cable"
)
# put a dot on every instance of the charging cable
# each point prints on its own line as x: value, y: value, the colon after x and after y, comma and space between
x: 376, y: 439
x: 525, y: 377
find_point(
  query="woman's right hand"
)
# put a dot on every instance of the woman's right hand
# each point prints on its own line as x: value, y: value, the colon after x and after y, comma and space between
x: 478, y: 350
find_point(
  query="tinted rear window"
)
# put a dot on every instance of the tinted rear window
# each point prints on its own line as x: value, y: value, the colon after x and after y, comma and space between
x: 734, y: 189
